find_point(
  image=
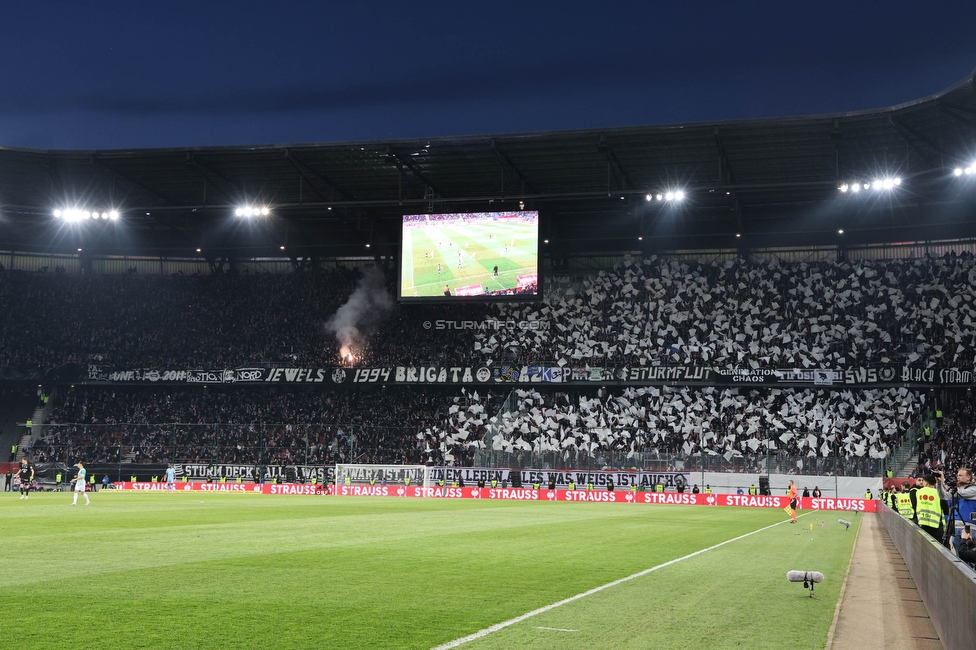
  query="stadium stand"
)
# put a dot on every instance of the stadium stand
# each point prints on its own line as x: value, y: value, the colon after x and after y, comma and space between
x: 765, y: 314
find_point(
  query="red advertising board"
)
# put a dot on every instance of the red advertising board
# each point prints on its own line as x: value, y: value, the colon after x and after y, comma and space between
x: 517, y: 494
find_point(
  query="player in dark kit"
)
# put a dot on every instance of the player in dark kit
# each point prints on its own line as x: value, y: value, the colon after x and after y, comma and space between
x: 26, y: 477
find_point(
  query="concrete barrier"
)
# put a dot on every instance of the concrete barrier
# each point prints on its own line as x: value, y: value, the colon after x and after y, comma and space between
x: 945, y: 583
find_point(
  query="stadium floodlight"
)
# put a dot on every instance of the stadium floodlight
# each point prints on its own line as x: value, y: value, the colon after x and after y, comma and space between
x: 855, y: 187
x: 844, y: 187
x: 113, y: 215
x: 251, y: 211
x: 679, y: 195
x: 660, y: 197
x: 968, y: 170
x: 648, y: 197
x: 669, y: 196
x: 58, y: 214
x: 840, y: 232
x: 957, y: 171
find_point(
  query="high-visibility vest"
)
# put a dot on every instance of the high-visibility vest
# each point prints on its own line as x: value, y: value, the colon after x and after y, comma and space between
x: 239, y: 479
x: 938, y: 413
x: 633, y: 488
x: 658, y: 487
x: 905, y: 505
x: 571, y: 485
x: 406, y: 480
x: 184, y: 478
x: 347, y: 481
x: 372, y: 481
x: 155, y: 478
x: 57, y: 477
x: 752, y: 490
x: 315, y: 479
x: 708, y: 490
x: 868, y: 495
x: 223, y: 479
x: 494, y: 484
x: 536, y: 485
x: 92, y: 479
x: 889, y: 473
x: 440, y: 483
x: 928, y: 508
x: 133, y: 479
x: 589, y: 486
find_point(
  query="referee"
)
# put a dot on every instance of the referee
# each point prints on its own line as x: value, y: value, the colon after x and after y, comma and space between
x: 26, y: 477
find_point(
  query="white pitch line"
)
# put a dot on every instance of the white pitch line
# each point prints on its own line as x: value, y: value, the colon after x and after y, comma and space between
x: 542, y: 610
x: 555, y: 629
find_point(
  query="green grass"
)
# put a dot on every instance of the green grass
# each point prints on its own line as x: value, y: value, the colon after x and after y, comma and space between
x: 513, y: 248
x: 252, y: 571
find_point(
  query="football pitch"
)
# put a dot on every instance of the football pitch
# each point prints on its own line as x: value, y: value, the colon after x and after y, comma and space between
x: 202, y: 570
x: 457, y: 254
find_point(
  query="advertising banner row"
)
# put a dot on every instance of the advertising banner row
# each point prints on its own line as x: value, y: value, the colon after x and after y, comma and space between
x: 339, y: 377
x: 516, y: 494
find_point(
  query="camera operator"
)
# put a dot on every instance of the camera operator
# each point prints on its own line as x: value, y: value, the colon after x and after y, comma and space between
x: 962, y: 500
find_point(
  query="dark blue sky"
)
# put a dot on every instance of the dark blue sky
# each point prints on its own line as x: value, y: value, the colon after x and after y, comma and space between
x: 101, y: 75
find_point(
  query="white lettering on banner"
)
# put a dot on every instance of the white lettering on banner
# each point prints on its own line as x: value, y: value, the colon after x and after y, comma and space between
x: 225, y: 487
x: 838, y: 504
x: 753, y: 501
x: 670, y: 498
x: 595, y: 497
x: 288, y: 488
x: 513, y: 493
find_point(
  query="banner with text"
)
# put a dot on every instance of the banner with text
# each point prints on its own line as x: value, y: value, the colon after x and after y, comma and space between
x: 489, y: 375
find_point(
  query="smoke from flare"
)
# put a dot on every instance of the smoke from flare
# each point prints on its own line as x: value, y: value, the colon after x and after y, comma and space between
x: 368, y: 304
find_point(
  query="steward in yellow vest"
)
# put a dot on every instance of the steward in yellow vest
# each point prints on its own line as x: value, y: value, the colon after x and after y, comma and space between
x: 753, y: 491
x: 904, y: 500
x: 928, y: 508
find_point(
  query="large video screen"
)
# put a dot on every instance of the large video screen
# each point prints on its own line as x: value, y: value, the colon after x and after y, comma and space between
x: 491, y: 255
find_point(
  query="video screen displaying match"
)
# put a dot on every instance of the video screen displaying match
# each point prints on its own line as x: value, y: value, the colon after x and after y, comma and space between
x: 492, y: 255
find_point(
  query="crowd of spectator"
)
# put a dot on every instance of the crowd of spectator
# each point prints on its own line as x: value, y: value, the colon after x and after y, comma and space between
x: 285, y: 426
x: 919, y: 312
x: 218, y: 321
x: 657, y: 311
x: 952, y: 443
x: 684, y: 422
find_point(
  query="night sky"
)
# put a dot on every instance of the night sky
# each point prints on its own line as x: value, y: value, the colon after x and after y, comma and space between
x: 99, y: 75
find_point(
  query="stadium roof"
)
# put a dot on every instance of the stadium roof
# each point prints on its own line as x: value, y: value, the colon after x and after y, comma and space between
x: 771, y: 181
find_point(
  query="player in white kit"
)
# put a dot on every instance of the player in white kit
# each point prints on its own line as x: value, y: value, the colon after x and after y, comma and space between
x: 80, y: 481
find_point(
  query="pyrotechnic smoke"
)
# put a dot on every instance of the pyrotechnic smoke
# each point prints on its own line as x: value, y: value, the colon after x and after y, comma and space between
x: 367, y: 305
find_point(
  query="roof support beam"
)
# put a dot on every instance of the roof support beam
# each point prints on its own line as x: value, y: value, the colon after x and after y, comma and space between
x: 214, y: 179
x: 726, y: 177
x: 307, y: 170
x: 614, y: 167
x: 910, y: 136
x: 402, y: 164
x: 514, y: 175
x: 105, y: 169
